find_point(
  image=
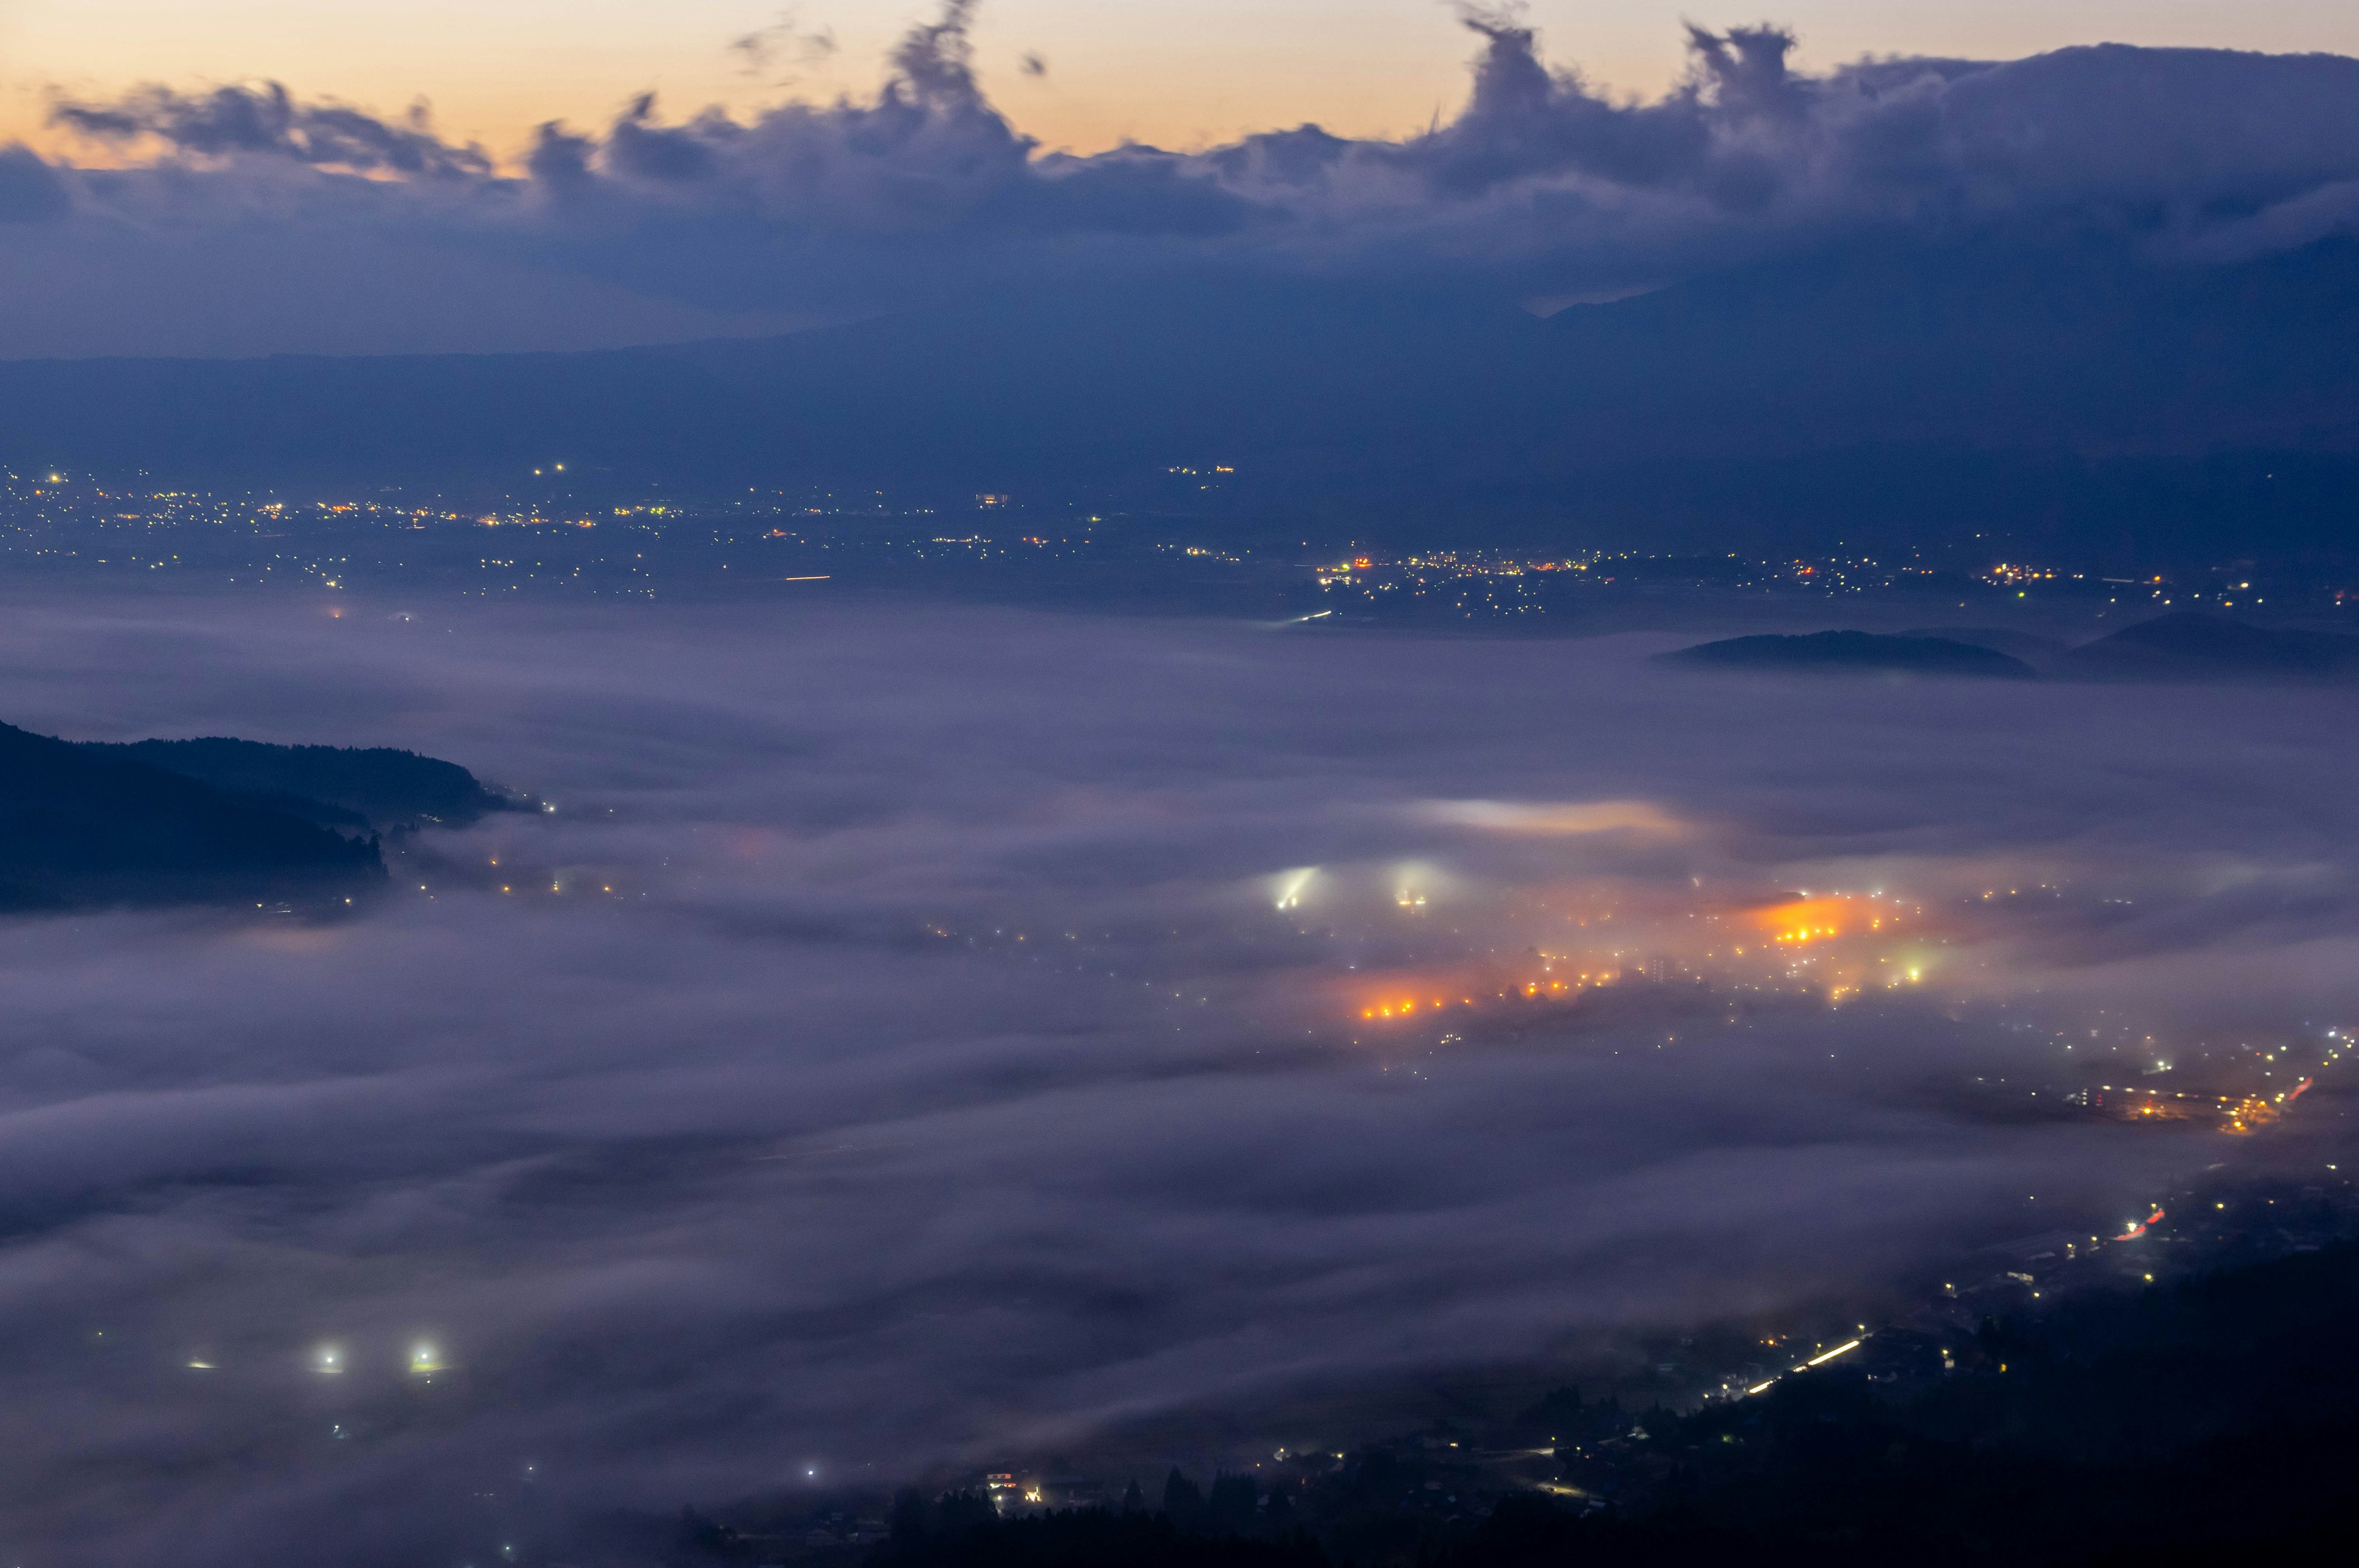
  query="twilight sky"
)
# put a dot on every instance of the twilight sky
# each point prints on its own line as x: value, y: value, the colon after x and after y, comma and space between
x: 241, y: 197
x: 1181, y: 76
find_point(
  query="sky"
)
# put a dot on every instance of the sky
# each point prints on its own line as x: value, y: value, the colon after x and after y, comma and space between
x: 212, y: 207
x: 924, y: 1039
x: 1180, y: 76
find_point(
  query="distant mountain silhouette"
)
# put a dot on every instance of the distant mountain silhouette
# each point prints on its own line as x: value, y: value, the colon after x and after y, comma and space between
x: 335, y: 785
x: 1853, y: 652
x: 79, y: 827
x: 2191, y: 645
x: 2092, y: 394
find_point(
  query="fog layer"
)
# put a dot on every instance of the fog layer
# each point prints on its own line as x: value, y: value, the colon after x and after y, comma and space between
x: 923, y: 1037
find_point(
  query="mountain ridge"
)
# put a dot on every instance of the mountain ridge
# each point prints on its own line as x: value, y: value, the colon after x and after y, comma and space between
x: 2090, y: 390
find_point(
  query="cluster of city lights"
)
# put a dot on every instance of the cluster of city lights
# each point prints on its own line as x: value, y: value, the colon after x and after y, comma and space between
x: 1833, y: 945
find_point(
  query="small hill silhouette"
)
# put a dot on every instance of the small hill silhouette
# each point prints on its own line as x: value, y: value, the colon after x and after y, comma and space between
x: 2191, y: 645
x: 1853, y: 652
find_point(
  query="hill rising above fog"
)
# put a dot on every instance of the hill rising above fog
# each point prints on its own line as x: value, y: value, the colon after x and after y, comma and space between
x: 1853, y: 652
x: 2091, y: 393
x: 333, y: 785
x: 2196, y: 647
x: 2188, y: 645
x: 79, y: 829
x: 210, y: 821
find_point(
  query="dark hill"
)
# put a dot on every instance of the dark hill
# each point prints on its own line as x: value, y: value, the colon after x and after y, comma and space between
x: 2191, y: 645
x: 2215, y: 1421
x: 1853, y: 652
x: 334, y: 786
x: 81, y: 829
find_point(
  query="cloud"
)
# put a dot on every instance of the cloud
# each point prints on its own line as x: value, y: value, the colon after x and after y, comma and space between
x: 1538, y: 186
x: 267, y: 120
x: 784, y: 41
x: 940, y: 1081
x: 30, y: 190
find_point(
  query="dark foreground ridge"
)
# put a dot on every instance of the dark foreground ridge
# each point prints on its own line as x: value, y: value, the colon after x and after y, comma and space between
x: 2217, y: 1420
x: 1855, y: 653
x: 336, y: 786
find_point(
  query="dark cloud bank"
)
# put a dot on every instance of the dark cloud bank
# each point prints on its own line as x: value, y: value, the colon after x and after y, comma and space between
x: 940, y: 1080
x: 318, y: 226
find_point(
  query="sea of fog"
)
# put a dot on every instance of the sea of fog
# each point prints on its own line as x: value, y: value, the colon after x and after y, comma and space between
x: 921, y: 1035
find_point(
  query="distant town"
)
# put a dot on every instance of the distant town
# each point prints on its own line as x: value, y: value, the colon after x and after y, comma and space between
x: 999, y: 547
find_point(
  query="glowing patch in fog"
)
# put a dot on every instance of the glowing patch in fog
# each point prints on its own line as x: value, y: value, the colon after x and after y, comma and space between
x: 1552, y: 819
x: 1289, y: 886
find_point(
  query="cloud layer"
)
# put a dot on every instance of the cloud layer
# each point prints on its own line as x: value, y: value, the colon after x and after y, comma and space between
x: 1539, y: 187
x: 924, y: 1039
